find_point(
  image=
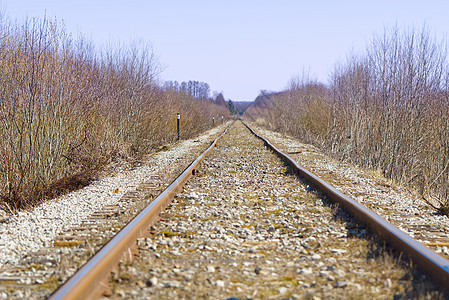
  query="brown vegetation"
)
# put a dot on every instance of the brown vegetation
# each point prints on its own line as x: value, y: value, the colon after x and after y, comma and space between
x: 387, y: 109
x: 66, y: 110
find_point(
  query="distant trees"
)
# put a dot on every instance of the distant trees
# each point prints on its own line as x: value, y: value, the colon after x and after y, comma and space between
x: 220, y: 100
x: 195, y: 89
x: 231, y: 107
x: 264, y: 97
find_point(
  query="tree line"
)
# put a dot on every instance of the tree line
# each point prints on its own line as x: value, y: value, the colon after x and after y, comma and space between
x: 196, y: 89
x: 200, y: 91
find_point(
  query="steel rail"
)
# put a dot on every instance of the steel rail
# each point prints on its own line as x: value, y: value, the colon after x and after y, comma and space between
x: 429, y: 262
x: 86, y: 283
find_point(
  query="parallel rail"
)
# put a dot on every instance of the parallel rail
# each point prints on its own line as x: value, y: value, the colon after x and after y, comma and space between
x: 430, y: 263
x: 86, y: 282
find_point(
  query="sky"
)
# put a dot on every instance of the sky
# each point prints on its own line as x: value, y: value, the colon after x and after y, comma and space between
x: 239, y: 47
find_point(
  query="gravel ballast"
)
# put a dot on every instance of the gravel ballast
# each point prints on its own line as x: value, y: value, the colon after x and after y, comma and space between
x: 246, y: 228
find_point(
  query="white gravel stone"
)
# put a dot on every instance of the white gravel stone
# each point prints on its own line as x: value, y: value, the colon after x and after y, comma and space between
x: 210, y: 269
x: 283, y: 290
x: 341, y: 284
x: 220, y: 283
x: 316, y: 257
x: 305, y: 271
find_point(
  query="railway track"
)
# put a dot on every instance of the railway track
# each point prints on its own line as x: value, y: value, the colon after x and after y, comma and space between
x: 245, y: 227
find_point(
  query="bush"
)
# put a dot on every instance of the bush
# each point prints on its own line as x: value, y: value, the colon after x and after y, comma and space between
x: 67, y: 110
x: 387, y: 109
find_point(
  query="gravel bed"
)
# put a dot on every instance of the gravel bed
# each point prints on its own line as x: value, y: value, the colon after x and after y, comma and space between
x: 398, y: 205
x: 245, y: 228
x: 27, y: 232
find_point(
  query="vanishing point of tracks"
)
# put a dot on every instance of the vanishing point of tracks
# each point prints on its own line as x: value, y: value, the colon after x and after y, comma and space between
x: 243, y: 226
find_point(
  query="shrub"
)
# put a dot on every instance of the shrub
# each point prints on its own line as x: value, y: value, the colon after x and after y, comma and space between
x: 66, y: 110
x: 387, y: 109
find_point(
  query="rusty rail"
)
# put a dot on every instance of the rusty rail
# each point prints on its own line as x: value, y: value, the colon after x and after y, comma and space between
x: 87, y: 282
x: 427, y: 261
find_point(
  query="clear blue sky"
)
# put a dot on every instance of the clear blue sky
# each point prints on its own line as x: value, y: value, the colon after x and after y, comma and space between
x: 239, y: 47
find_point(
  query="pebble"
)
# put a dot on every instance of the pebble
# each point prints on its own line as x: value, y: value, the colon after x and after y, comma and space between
x: 173, y: 284
x: 340, y: 272
x: 324, y: 274
x: 283, y: 290
x: 210, y: 269
x: 316, y: 257
x: 220, y: 283
x: 341, y: 284
x: 305, y: 271
x: 338, y: 251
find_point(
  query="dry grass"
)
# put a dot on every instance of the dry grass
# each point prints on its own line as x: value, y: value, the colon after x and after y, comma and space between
x: 67, y: 110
